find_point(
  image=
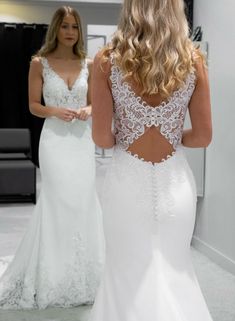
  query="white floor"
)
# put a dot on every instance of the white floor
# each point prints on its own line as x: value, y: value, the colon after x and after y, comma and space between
x: 218, y: 286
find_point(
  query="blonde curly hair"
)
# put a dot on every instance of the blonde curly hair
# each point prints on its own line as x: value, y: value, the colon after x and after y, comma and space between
x: 152, y: 45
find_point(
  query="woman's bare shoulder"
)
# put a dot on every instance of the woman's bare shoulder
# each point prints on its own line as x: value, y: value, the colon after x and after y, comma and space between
x: 36, y: 63
x: 89, y: 61
x: 103, y: 63
x: 199, y: 62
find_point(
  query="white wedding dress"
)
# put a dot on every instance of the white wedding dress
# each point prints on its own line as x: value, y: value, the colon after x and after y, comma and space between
x: 59, y: 260
x: 149, y: 213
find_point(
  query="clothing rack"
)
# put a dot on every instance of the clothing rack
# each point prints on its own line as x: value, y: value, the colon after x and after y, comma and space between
x: 29, y: 26
x: 9, y: 25
x: 25, y: 25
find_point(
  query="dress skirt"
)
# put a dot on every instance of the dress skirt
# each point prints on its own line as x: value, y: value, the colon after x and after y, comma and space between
x: 149, y: 215
x: 60, y: 258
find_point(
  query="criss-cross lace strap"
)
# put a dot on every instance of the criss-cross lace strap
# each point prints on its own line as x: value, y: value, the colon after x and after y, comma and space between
x: 132, y: 115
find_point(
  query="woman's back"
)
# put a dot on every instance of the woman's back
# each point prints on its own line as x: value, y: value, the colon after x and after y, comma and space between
x: 145, y: 80
x: 149, y: 201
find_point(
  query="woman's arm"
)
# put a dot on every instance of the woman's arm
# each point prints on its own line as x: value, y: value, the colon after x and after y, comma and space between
x: 102, y: 104
x: 200, y: 134
x: 35, y: 93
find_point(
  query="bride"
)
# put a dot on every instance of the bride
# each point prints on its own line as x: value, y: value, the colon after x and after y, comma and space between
x: 145, y: 79
x: 59, y: 260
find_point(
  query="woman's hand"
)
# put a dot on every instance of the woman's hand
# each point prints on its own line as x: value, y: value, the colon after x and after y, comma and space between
x: 65, y: 114
x: 83, y: 113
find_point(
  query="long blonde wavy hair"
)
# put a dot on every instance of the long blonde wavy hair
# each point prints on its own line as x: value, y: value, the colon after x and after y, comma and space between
x: 152, y: 45
x: 53, y: 29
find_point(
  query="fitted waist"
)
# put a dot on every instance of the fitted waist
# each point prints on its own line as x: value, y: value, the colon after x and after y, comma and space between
x: 178, y: 152
x: 75, y: 127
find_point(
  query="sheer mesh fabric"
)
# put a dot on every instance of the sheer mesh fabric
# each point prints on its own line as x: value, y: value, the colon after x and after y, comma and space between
x: 148, y: 132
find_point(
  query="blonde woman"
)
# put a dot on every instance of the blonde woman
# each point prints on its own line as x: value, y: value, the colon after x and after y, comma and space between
x: 59, y: 260
x: 146, y: 79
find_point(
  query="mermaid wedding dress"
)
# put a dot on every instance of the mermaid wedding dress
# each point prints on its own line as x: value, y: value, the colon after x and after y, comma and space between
x: 59, y: 260
x: 149, y: 213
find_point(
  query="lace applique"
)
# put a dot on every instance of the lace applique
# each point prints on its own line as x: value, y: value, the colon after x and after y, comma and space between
x: 132, y: 115
x: 79, y: 284
x: 56, y: 92
x: 33, y: 288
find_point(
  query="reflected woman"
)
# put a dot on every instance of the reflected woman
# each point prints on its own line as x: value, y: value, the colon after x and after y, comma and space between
x: 58, y: 263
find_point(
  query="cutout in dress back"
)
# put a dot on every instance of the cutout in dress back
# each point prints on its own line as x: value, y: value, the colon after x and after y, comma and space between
x: 148, y: 132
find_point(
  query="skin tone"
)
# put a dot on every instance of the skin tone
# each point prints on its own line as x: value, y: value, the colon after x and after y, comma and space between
x: 152, y: 146
x: 67, y: 66
x: 200, y: 111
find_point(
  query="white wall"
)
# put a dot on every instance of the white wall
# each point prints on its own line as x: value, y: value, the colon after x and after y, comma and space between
x: 32, y: 11
x: 215, y: 226
x: 13, y: 12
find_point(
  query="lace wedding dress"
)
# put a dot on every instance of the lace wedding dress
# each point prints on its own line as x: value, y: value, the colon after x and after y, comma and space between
x: 59, y: 260
x: 149, y: 212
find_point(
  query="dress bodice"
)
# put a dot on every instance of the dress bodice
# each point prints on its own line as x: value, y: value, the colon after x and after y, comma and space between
x: 56, y: 92
x: 132, y: 115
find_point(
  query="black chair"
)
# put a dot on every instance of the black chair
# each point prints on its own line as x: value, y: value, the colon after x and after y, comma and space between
x: 17, y: 171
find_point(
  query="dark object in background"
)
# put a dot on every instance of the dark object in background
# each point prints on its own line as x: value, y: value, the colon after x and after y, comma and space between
x: 17, y: 171
x: 19, y: 41
x: 197, y: 34
x: 189, y: 12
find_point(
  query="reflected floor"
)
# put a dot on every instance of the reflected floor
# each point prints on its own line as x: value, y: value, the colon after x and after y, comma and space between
x: 73, y: 314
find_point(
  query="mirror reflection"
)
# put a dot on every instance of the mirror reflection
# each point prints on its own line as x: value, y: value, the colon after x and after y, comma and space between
x: 73, y: 171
